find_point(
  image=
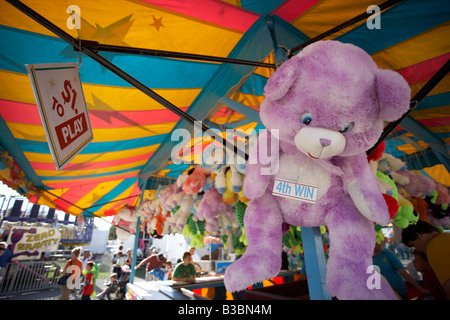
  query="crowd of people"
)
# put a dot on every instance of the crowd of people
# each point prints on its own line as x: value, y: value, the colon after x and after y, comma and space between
x: 82, y: 279
x: 83, y: 276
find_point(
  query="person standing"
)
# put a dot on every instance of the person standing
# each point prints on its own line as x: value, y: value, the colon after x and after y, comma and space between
x: 393, y: 270
x: 73, y: 282
x: 5, y: 257
x: 88, y: 287
x: 120, y: 261
x: 87, y: 256
x: 428, y: 276
x: 154, y: 261
x: 129, y: 257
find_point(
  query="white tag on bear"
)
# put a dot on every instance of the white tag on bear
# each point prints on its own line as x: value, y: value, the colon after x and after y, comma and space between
x: 294, y: 190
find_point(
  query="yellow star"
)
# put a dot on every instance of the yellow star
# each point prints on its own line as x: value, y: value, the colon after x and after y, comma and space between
x: 52, y: 83
x: 157, y: 23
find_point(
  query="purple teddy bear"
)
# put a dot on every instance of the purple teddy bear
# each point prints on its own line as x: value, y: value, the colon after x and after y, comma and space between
x: 327, y: 105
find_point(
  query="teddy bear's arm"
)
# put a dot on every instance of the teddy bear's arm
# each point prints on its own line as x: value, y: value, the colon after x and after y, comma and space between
x: 257, y: 174
x: 362, y: 186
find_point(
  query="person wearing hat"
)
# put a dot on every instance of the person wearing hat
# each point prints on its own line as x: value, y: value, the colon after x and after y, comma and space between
x: 154, y: 261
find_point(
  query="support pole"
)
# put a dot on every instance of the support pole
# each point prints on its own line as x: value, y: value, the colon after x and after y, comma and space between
x: 136, y: 235
x: 316, y: 267
x: 95, y: 46
x: 136, y: 243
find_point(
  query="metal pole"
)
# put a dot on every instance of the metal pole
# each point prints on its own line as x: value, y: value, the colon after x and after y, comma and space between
x: 136, y: 236
x: 119, y: 72
x: 136, y: 243
x: 344, y: 25
x: 316, y: 266
x: 95, y: 46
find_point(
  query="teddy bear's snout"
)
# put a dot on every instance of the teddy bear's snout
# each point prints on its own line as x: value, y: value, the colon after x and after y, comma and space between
x: 325, y: 142
x: 319, y: 143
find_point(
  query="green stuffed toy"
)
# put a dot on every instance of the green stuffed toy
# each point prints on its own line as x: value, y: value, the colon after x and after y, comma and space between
x: 239, y: 246
x: 405, y: 216
x: 240, y: 208
x: 195, y: 231
x: 378, y: 233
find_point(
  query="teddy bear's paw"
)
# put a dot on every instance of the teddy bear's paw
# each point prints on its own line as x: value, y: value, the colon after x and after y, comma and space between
x: 250, y: 269
x: 234, y: 278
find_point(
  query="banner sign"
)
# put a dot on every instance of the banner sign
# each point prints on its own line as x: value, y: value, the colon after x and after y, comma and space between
x: 64, y: 115
x: 294, y: 190
x: 29, y: 242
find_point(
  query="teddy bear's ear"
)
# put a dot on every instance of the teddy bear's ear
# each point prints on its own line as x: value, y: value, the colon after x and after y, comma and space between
x: 282, y: 79
x: 394, y: 94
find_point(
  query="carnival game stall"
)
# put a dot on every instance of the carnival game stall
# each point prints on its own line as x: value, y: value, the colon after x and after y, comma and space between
x: 293, y: 132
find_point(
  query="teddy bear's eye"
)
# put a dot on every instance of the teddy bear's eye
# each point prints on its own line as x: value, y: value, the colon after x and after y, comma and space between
x: 347, y: 128
x: 306, y: 118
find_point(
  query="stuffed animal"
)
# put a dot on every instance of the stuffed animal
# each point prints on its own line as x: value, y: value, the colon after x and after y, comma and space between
x: 420, y: 206
x: 385, y: 183
x: 194, y: 229
x: 327, y: 105
x: 229, y: 195
x: 171, y: 196
x: 195, y: 181
x: 443, y: 195
x: 158, y: 223
x: 214, y: 160
x: 406, y: 214
x: 211, y: 207
x: 438, y: 212
x: 418, y: 185
x: 379, y: 234
x: 126, y: 222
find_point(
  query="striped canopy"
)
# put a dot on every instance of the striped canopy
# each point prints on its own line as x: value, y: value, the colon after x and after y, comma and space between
x: 133, y: 133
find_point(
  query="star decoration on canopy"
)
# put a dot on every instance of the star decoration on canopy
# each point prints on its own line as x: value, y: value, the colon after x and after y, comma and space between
x: 157, y: 23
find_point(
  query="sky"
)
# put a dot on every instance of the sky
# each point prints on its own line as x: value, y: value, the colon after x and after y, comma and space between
x: 99, y: 223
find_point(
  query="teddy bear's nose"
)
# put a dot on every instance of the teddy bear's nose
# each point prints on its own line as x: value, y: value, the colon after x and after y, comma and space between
x: 325, y: 142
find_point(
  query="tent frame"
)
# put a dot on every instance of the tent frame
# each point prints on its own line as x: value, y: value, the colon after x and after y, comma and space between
x: 96, y: 47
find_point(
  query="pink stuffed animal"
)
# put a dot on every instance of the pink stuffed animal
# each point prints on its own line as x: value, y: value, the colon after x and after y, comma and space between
x: 126, y: 222
x: 195, y: 181
x: 328, y: 105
